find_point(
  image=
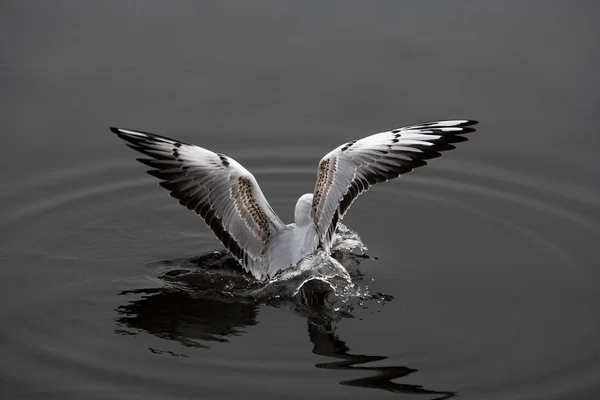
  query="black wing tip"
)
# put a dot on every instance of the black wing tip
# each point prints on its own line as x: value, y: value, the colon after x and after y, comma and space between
x: 144, y: 136
x: 134, y: 139
x: 444, y: 127
x: 123, y: 131
x: 468, y: 127
x: 134, y: 146
x: 465, y: 130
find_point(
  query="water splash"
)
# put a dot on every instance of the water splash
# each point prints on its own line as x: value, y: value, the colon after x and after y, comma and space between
x: 323, y: 288
x: 333, y: 279
x: 347, y: 239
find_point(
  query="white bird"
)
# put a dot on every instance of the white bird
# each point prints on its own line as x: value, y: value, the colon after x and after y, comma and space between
x: 228, y: 198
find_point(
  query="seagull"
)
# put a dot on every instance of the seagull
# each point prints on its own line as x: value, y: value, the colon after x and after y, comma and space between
x: 228, y: 198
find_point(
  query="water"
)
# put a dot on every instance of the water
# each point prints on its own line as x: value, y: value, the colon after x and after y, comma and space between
x: 483, y: 266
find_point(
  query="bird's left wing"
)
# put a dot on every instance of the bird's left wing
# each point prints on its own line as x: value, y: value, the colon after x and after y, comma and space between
x: 352, y: 168
x: 217, y: 188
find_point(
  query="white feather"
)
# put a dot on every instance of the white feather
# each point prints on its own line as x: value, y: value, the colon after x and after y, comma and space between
x: 230, y: 201
x: 354, y: 167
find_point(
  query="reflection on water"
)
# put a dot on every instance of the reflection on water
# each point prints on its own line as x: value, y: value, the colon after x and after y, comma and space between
x: 197, y: 309
x: 494, y: 252
x: 176, y: 315
x: 538, y: 287
x: 327, y: 343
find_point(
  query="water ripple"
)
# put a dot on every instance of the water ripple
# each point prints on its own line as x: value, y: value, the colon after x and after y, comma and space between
x: 89, y: 214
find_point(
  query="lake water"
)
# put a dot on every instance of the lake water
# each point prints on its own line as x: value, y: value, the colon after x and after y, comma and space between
x: 484, y: 265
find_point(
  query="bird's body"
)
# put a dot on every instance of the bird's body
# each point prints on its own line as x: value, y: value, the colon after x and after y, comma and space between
x: 294, y: 242
x: 231, y: 203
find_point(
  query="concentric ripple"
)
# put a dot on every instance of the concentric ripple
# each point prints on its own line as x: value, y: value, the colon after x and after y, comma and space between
x: 477, y: 258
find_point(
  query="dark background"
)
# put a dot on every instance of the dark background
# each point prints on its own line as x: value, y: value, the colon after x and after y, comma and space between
x: 490, y: 253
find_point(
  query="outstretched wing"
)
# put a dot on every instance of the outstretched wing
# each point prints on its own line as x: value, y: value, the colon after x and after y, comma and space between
x: 352, y: 168
x: 214, y: 186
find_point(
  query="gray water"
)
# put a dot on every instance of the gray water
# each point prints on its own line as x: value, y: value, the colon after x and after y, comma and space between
x: 485, y: 263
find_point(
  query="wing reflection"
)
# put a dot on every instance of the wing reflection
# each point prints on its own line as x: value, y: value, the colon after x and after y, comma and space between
x: 197, y: 321
x: 326, y: 343
x: 175, y: 315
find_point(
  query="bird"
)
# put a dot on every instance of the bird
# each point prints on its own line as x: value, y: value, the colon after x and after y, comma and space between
x: 229, y: 200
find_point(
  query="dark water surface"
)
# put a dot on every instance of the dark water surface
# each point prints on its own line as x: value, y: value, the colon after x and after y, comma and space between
x: 491, y: 253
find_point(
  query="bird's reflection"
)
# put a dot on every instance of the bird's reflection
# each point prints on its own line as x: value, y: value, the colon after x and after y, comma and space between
x: 326, y: 343
x: 193, y: 322
x: 200, y: 318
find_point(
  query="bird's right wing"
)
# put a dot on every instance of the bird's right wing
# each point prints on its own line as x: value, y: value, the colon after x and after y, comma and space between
x: 217, y: 188
x: 352, y: 168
